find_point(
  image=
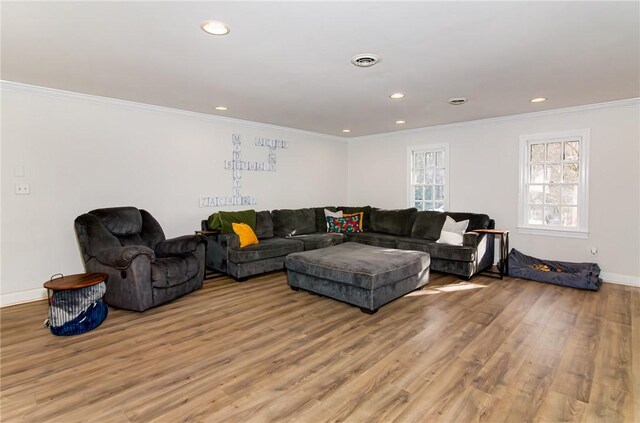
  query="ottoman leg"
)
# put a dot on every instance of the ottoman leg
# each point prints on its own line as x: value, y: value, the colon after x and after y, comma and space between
x: 366, y: 310
x: 295, y: 288
x: 244, y: 279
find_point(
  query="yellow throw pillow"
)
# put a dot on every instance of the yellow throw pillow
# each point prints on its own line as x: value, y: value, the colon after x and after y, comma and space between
x: 245, y: 233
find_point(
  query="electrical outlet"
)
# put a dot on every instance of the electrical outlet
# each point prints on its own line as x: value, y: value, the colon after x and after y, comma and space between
x: 23, y: 189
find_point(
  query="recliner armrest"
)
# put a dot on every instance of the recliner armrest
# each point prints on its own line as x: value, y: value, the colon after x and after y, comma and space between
x: 181, y: 245
x: 121, y: 257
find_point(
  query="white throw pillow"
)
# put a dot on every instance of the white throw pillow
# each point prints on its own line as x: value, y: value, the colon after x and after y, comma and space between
x: 452, y: 231
x: 329, y: 213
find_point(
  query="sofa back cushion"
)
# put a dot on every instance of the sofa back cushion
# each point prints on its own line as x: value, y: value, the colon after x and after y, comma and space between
x: 393, y: 222
x: 287, y: 222
x: 428, y: 225
x: 321, y: 221
x: 476, y: 220
x: 366, y: 221
x: 264, y: 225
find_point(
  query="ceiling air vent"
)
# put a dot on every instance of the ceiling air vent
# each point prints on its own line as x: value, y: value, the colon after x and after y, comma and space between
x: 458, y: 101
x: 365, y: 60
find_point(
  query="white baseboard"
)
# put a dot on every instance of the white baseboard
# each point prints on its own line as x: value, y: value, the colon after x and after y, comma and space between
x: 20, y: 297
x: 620, y: 279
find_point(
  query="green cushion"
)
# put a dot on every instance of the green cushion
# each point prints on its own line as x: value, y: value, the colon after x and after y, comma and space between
x: 221, y: 221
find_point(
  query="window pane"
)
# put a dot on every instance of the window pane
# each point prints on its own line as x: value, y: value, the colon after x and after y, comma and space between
x: 536, y: 175
x: 570, y: 216
x: 438, y: 192
x: 552, y: 215
x: 417, y: 193
x: 440, y: 159
x: 419, y: 160
x: 571, y: 172
x: 570, y: 195
x: 428, y: 195
x: 440, y: 176
x: 419, y: 205
x: 536, y: 153
x: 535, y: 194
x: 431, y: 159
x: 438, y: 205
x: 554, y: 174
x: 535, y: 215
x: 552, y: 194
x: 554, y: 150
x: 418, y: 177
x: 572, y: 150
x: 429, y: 175
x: 428, y: 205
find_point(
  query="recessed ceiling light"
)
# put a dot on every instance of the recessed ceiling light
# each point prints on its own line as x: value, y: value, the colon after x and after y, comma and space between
x: 456, y: 101
x: 396, y: 96
x: 214, y: 27
x: 400, y: 122
x: 221, y: 108
x: 538, y: 99
x: 346, y: 131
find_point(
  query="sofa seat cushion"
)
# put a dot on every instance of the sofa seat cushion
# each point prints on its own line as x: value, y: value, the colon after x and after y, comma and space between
x: 321, y: 240
x: 438, y: 251
x: 171, y: 271
x: 375, y: 239
x: 359, y: 265
x: 266, y: 249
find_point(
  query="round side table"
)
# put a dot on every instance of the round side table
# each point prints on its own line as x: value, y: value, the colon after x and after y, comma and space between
x: 75, y: 303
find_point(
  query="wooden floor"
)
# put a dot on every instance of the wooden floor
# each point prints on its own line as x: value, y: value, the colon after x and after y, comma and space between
x: 484, y: 350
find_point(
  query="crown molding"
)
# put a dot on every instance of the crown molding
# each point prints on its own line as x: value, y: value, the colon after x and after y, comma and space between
x: 564, y: 110
x: 90, y: 98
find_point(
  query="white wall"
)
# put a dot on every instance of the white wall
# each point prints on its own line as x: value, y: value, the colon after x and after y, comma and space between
x: 81, y: 152
x: 484, y: 178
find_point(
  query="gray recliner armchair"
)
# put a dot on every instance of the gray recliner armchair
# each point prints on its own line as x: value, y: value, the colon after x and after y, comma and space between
x: 145, y: 269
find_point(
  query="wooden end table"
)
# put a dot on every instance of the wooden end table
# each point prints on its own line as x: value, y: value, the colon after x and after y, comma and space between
x: 503, y: 267
x: 74, y: 304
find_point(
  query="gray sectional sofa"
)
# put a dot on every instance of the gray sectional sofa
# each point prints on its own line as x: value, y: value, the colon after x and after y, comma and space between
x: 282, y: 232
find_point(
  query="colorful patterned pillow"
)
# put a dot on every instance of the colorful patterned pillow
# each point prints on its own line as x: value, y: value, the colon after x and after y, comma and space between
x: 361, y: 214
x: 349, y: 224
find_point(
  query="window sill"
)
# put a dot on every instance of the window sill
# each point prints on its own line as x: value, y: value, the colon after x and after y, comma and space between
x: 553, y: 232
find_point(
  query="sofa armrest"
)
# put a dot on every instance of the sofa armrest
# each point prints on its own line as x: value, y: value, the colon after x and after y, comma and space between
x: 228, y: 241
x: 472, y: 239
x: 181, y: 245
x: 121, y: 257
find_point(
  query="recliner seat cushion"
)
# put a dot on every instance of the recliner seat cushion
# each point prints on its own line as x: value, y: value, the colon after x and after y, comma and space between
x: 393, y: 222
x: 266, y: 249
x: 171, y: 271
x: 288, y: 222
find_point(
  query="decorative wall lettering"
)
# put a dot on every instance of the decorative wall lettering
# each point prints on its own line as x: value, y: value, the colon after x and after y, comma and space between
x: 237, y: 166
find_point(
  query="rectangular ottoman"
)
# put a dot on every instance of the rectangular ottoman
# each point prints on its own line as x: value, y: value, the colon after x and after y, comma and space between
x: 358, y: 274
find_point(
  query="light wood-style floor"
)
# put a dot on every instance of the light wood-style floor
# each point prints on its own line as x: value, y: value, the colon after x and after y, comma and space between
x: 484, y: 350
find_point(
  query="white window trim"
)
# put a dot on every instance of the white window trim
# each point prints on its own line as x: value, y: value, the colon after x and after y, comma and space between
x: 426, y: 148
x: 582, y: 231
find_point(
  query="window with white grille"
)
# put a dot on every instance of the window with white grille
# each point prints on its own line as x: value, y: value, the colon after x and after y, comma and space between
x: 429, y: 177
x: 554, y: 183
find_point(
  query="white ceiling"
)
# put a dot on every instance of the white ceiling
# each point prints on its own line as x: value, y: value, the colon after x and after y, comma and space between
x: 288, y: 63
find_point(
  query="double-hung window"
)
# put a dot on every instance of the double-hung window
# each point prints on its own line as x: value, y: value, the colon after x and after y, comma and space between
x: 554, y: 184
x: 428, y: 177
